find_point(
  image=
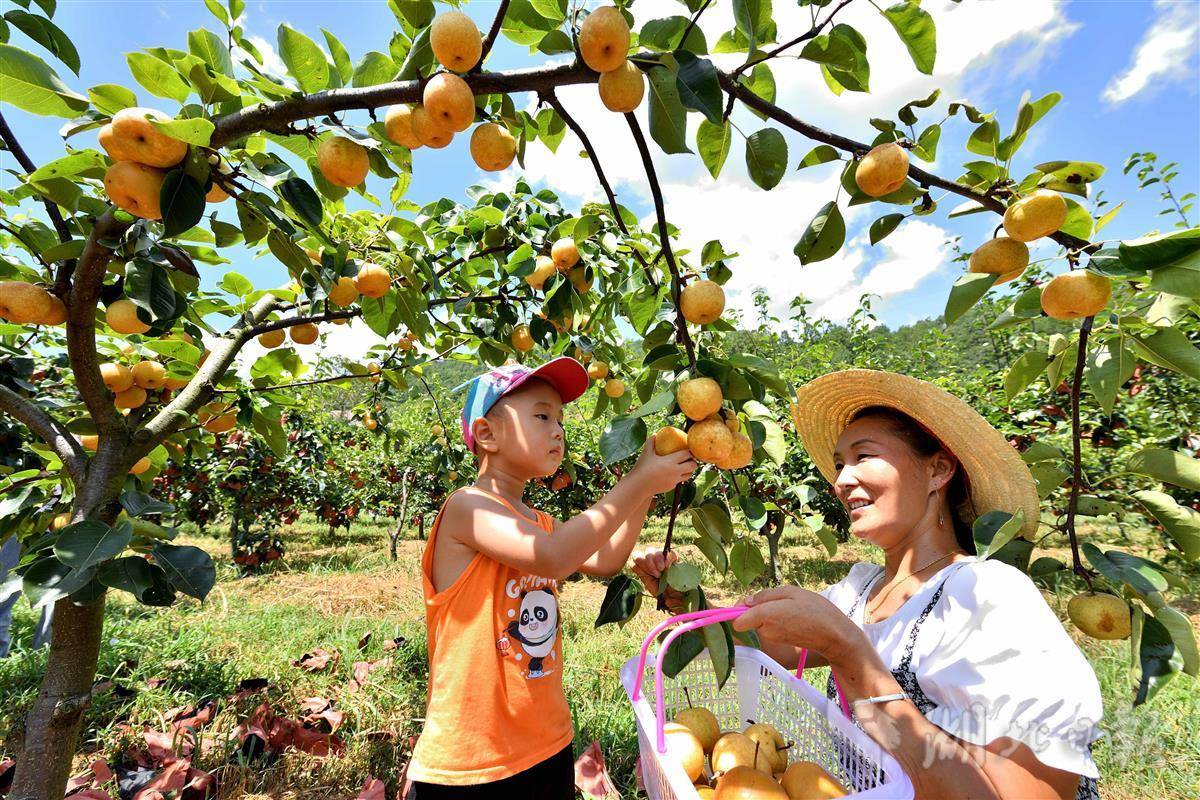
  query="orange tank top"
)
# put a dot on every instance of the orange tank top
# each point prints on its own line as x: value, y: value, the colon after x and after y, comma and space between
x: 495, y: 703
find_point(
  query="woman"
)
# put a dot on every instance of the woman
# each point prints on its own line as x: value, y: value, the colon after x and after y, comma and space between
x: 955, y: 665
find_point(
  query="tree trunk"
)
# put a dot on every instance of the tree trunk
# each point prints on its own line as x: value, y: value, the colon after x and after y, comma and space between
x: 421, y: 528
x: 403, y: 510
x: 774, y: 532
x: 52, y: 724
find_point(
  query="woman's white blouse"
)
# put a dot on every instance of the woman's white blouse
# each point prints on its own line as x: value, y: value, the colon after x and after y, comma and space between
x: 992, y: 656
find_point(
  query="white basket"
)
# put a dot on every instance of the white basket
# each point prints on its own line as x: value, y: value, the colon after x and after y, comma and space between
x: 760, y: 689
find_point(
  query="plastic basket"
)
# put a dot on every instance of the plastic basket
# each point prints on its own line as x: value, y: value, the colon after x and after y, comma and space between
x: 758, y: 689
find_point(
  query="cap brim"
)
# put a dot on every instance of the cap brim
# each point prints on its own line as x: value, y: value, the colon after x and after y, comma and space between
x: 564, y: 373
x: 998, y: 478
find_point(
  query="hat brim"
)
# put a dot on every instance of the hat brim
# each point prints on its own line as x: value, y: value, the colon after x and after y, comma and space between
x: 565, y: 374
x: 997, y: 477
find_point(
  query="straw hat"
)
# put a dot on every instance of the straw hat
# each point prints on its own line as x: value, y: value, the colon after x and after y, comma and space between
x: 997, y: 477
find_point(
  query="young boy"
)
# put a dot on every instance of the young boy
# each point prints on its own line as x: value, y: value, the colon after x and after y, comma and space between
x: 497, y: 723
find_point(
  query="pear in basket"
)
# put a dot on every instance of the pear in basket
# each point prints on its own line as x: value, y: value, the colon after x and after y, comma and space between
x: 683, y: 745
x: 705, y: 792
x: 806, y: 780
x: 770, y: 741
x: 703, y: 723
x: 735, y: 749
x: 744, y: 783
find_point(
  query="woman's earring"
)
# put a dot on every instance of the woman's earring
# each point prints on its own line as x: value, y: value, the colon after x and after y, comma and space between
x: 941, y: 519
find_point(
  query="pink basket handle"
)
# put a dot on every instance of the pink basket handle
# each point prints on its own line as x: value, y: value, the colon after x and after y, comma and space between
x: 655, y: 631
x: 836, y: 684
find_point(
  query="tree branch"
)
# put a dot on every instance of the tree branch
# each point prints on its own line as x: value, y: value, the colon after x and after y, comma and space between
x: 692, y: 23
x: 263, y: 116
x: 63, y: 276
x: 50, y: 430
x: 492, y: 34
x: 291, y: 322
x: 926, y: 179
x: 551, y: 98
x: 681, y: 330
x: 297, y: 384
x: 1076, y: 459
x: 81, y: 322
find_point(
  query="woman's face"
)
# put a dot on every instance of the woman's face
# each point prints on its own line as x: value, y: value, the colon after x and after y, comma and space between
x: 882, y: 482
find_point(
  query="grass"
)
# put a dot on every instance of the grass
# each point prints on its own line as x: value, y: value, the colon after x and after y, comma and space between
x: 329, y: 593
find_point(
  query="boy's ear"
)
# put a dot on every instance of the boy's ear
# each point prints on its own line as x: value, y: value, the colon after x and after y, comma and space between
x: 485, y: 436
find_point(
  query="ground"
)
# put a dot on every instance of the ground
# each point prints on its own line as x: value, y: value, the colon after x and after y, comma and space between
x: 330, y: 593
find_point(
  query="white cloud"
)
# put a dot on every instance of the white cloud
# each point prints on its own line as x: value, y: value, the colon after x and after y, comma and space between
x: 1163, y: 55
x: 272, y: 64
x: 763, y: 227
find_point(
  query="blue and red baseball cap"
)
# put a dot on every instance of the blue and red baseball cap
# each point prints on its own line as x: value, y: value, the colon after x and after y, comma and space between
x: 564, y: 373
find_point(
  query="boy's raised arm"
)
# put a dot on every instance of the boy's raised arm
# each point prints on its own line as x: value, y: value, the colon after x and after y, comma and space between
x: 485, y: 526
x: 612, y: 556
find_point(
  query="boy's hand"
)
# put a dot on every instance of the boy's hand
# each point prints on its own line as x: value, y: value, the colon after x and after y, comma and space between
x: 649, y: 567
x: 660, y: 474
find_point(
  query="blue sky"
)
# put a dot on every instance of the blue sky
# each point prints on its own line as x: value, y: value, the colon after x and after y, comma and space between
x: 1128, y: 71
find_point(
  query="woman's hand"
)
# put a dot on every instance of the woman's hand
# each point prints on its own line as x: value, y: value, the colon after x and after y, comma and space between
x: 794, y: 616
x: 649, y: 565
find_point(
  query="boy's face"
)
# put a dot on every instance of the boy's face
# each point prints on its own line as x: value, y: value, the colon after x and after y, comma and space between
x: 524, y: 430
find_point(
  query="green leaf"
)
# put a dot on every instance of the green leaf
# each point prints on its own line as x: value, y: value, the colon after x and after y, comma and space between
x: 915, y: 27
x: 30, y: 85
x: 621, y: 600
x: 420, y: 57
x: 1024, y: 371
x: 713, y: 521
x: 622, y: 437
x: 303, y: 199
x: 211, y: 49
x: 995, y: 529
x: 341, y: 59
x: 766, y: 157
x: 830, y: 51
x: 906, y: 113
x: 821, y: 154
x: 713, y: 550
x: 1170, y: 348
x: 49, y: 580
x: 664, y: 35
x: 761, y: 82
x: 682, y: 652
x: 87, y: 543
x: 748, y: 16
x: 1158, y: 658
x: 719, y: 641
x: 81, y: 162
x: 197, y: 131
x: 134, y: 574
x: 668, y: 118
x: 217, y: 10
x: 712, y: 142
x: 1182, y: 633
x: 182, y: 201
x: 1160, y: 250
x: 985, y: 139
x: 1122, y: 568
x: 139, y: 504
x: 158, y: 77
x: 856, y: 78
x: 965, y: 293
x: 697, y: 85
x: 374, y: 68
x: 823, y: 237
x: 682, y: 576
x: 927, y: 143
x: 189, y: 569
x: 109, y: 98
x: 1180, y: 522
x: 148, y: 285
x: 1079, y: 222
x: 1167, y: 466
x: 746, y: 561
x: 304, y: 60
x: 524, y: 25
x: 48, y: 35
x: 881, y: 227
x: 1107, y: 369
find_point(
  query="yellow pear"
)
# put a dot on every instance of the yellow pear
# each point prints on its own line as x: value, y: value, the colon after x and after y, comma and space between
x: 597, y: 370
x: 57, y: 314
x: 735, y: 749
x: 221, y: 423
x: 1035, y: 215
x: 683, y: 745
x: 565, y: 253
x: 1101, y: 616
x: 140, y: 466
x: 270, y: 339
x: 702, y: 302
x: 23, y: 303
x: 372, y: 280
x: 60, y: 521
x: 369, y: 423
x: 698, y: 720
x: 1076, y: 294
x: 398, y: 125
x: 622, y: 89
x: 667, y: 440
x: 344, y: 291
x: 343, y: 162
x: 771, y: 742
x: 216, y: 194
x: 542, y: 270
x: 131, y: 137
x: 746, y: 783
x: 741, y: 452
x: 149, y: 374
x: 133, y: 397
x: 579, y: 279
x: 122, y: 317
x: 614, y: 387
x: 452, y: 475
x: 304, y: 333
x: 699, y: 398
x: 89, y: 441
x: 522, y: 339
x: 437, y: 430
x: 449, y: 101
x: 135, y: 188
x: 117, y: 377
x: 710, y: 440
x: 604, y: 39
x: 806, y: 780
x: 174, y: 384
x: 455, y: 41
x: 882, y: 170
x: 492, y: 147
x: 428, y: 130
x: 999, y: 256
x: 705, y: 792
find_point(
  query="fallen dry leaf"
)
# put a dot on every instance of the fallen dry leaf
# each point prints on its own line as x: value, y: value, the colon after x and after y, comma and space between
x: 373, y: 789
x: 315, y: 661
x: 591, y: 776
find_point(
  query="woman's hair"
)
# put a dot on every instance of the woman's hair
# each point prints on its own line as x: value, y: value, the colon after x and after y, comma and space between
x: 925, y: 444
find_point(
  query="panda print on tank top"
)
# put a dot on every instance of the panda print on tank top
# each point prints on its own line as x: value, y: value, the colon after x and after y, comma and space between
x: 906, y: 677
